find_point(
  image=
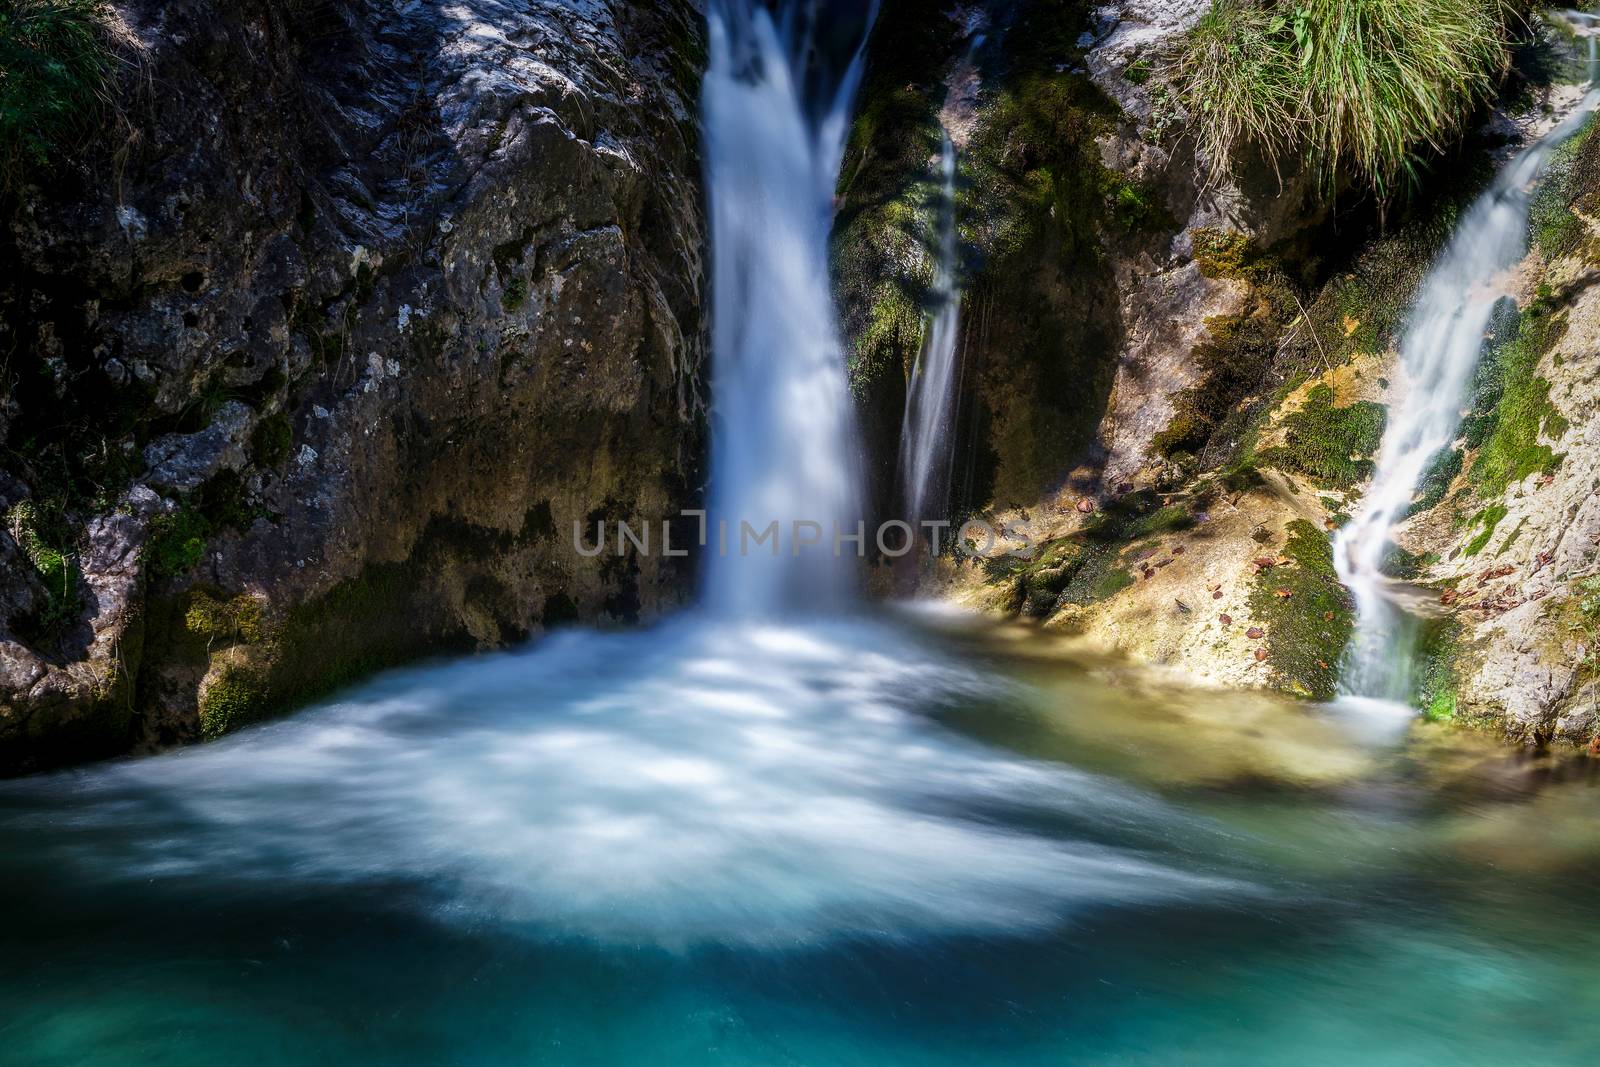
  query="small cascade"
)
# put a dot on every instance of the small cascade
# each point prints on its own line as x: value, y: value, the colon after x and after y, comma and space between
x: 925, y: 444
x: 775, y: 117
x: 1440, y: 348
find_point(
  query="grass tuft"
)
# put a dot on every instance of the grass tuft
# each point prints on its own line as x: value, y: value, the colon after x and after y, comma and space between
x: 55, y: 69
x: 1355, y: 88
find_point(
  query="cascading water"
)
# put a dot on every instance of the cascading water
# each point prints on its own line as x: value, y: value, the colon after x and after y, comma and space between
x: 925, y: 434
x: 775, y: 123
x: 1443, y: 339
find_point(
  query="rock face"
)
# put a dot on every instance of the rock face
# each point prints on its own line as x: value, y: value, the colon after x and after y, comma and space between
x: 352, y: 313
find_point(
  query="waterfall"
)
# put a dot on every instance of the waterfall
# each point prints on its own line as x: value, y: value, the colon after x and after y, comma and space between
x: 1443, y: 338
x: 925, y: 434
x: 775, y: 117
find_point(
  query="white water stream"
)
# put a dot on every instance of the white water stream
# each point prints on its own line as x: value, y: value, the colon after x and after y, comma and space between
x: 1443, y: 339
x: 925, y: 438
x: 775, y: 126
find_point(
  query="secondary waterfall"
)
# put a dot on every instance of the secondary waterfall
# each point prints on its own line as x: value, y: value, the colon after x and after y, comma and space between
x: 775, y: 118
x: 1439, y: 351
x: 925, y: 434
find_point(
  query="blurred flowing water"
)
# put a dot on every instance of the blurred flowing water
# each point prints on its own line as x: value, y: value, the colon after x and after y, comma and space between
x: 775, y: 116
x: 1443, y: 340
x: 925, y: 437
x: 764, y: 834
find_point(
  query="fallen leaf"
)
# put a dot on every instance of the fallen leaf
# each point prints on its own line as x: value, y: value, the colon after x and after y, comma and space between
x: 1282, y: 594
x: 1351, y: 325
x: 1216, y: 594
x: 1327, y: 616
x: 1261, y: 654
x: 1226, y: 620
x: 1255, y: 633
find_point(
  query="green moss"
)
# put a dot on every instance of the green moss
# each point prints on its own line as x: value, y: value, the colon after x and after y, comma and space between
x: 1555, y: 226
x: 1398, y: 562
x: 237, y: 698
x: 1485, y: 521
x: 1441, y: 473
x: 271, y: 441
x: 1511, y: 410
x: 178, y: 539
x: 1135, y: 207
x: 1333, y: 445
x: 47, y: 540
x: 177, y: 542
x: 54, y: 71
x: 515, y: 294
x: 1231, y: 359
x: 1307, y: 631
x: 1435, y: 673
x: 217, y: 621
x: 1223, y: 253
x: 1042, y: 581
x: 1112, y: 582
x: 1516, y: 533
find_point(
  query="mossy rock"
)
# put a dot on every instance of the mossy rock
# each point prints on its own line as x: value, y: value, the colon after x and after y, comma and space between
x: 1307, y: 614
x: 1330, y: 444
x: 1511, y: 408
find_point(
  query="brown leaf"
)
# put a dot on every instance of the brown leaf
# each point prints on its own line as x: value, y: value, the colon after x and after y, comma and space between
x: 1327, y: 616
x: 1255, y: 633
x: 1216, y: 594
x: 1265, y: 562
x: 1178, y: 551
x: 1226, y: 620
x: 1282, y: 594
x: 1261, y: 654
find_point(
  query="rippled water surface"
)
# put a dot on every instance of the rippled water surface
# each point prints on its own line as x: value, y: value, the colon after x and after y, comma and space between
x: 880, y: 841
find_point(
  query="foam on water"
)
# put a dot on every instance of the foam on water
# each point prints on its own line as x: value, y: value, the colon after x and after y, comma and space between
x: 695, y: 783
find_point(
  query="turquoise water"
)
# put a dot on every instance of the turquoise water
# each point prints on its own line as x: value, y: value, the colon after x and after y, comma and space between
x: 882, y: 841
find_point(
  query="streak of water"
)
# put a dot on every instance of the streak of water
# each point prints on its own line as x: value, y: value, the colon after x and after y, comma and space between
x: 925, y: 435
x: 1439, y: 351
x: 775, y: 124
